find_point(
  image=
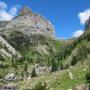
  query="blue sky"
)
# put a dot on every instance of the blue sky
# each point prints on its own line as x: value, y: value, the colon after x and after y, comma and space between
x: 67, y: 16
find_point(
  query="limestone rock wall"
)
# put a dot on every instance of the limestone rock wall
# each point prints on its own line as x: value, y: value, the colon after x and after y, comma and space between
x: 29, y: 22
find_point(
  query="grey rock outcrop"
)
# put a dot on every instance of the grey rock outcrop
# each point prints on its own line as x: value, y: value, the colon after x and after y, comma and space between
x: 10, y: 49
x: 87, y: 24
x: 3, y: 24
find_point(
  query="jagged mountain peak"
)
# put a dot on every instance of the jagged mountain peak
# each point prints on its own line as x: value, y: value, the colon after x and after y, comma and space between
x: 25, y: 10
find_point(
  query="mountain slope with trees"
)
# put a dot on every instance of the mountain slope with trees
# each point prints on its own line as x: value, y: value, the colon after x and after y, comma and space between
x: 46, y: 63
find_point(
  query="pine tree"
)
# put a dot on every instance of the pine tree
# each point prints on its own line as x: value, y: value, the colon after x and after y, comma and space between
x: 25, y: 67
x: 74, y: 60
x: 33, y: 73
x: 54, y: 66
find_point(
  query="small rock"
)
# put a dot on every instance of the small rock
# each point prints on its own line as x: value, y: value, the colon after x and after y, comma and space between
x: 69, y: 89
x: 71, y: 75
x: 51, y: 89
x: 84, y: 69
x: 28, y: 78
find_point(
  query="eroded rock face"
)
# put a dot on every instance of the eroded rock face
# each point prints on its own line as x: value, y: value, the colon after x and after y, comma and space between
x: 3, y: 24
x: 87, y: 24
x: 30, y: 23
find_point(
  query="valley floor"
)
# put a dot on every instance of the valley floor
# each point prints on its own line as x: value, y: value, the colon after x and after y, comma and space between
x: 58, y: 80
x: 63, y: 80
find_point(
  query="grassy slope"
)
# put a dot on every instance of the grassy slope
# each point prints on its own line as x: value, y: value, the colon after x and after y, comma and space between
x: 84, y: 43
x: 59, y: 80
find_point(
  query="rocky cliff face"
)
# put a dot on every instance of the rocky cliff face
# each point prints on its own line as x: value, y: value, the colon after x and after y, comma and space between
x: 29, y: 23
x: 87, y: 24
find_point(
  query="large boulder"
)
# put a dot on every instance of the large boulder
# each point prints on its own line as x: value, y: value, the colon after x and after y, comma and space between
x: 10, y: 77
x: 80, y: 87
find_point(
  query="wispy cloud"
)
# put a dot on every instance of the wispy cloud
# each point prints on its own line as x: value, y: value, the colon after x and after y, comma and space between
x: 5, y: 16
x: 84, y: 16
x: 3, y: 5
x: 77, y: 33
x: 8, y: 15
x: 13, y: 11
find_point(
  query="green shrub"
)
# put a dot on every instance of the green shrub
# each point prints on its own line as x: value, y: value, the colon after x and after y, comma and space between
x: 74, y: 61
x: 40, y: 86
x: 25, y: 67
x: 54, y: 66
x: 88, y: 78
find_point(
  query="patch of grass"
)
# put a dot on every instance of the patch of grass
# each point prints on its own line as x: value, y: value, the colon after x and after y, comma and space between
x: 67, y: 83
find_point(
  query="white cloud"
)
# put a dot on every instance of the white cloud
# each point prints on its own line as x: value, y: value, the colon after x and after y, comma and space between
x: 3, y: 5
x: 77, y: 33
x: 14, y: 10
x: 7, y: 15
x: 84, y: 16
